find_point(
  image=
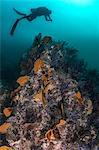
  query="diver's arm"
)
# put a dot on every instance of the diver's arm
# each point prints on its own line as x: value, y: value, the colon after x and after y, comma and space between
x: 49, y: 18
x: 46, y: 18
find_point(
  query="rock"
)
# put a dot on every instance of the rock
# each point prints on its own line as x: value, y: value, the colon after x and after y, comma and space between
x: 51, y: 111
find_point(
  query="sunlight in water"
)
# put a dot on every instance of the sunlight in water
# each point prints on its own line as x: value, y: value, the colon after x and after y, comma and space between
x: 79, y: 2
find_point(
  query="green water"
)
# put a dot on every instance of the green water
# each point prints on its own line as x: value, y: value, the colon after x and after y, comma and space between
x: 75, y: 22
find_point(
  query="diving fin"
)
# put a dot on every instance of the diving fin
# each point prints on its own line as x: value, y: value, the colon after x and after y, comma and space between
x: 14, y: 27
x: 22, y: 14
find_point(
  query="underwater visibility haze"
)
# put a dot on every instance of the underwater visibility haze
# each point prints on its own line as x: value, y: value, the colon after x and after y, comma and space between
x: 49, y: 86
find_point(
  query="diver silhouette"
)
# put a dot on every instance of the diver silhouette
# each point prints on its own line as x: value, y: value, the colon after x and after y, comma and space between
x: 36, y: 12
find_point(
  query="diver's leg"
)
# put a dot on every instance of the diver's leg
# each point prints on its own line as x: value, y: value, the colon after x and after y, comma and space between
x: 19, y: 12
x: 15, y: 25
x: 29, y: 18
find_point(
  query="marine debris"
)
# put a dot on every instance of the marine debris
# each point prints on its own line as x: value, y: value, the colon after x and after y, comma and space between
x: 53, y: 108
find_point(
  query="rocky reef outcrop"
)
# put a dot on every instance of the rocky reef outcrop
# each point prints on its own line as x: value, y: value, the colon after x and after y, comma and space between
x: 52, y: 107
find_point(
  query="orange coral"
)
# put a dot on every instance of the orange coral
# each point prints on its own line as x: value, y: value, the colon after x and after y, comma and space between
x: 44, y: 79
x: 78, y: 97
x: 7, y: 111
x: 50, y: 86
x: 44, y: 99
x: 40, y: 97
x: 38, y: 65
x: 50, y: 72
x: 22, y: 80
x: 5, y: 148
x: 61, y: 122
x: 4, y: 127
x: 50, y: 135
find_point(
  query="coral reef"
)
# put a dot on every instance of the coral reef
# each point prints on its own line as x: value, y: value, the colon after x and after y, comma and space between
x: 53, y: 108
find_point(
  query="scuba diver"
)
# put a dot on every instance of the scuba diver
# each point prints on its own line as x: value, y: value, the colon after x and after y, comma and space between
x: 36, y: 12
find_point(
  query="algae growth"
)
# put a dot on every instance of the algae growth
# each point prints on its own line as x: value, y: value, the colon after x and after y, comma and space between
x: 55, y: 103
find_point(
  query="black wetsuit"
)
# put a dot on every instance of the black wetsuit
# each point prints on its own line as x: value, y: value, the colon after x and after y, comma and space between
x: 36, y: 12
